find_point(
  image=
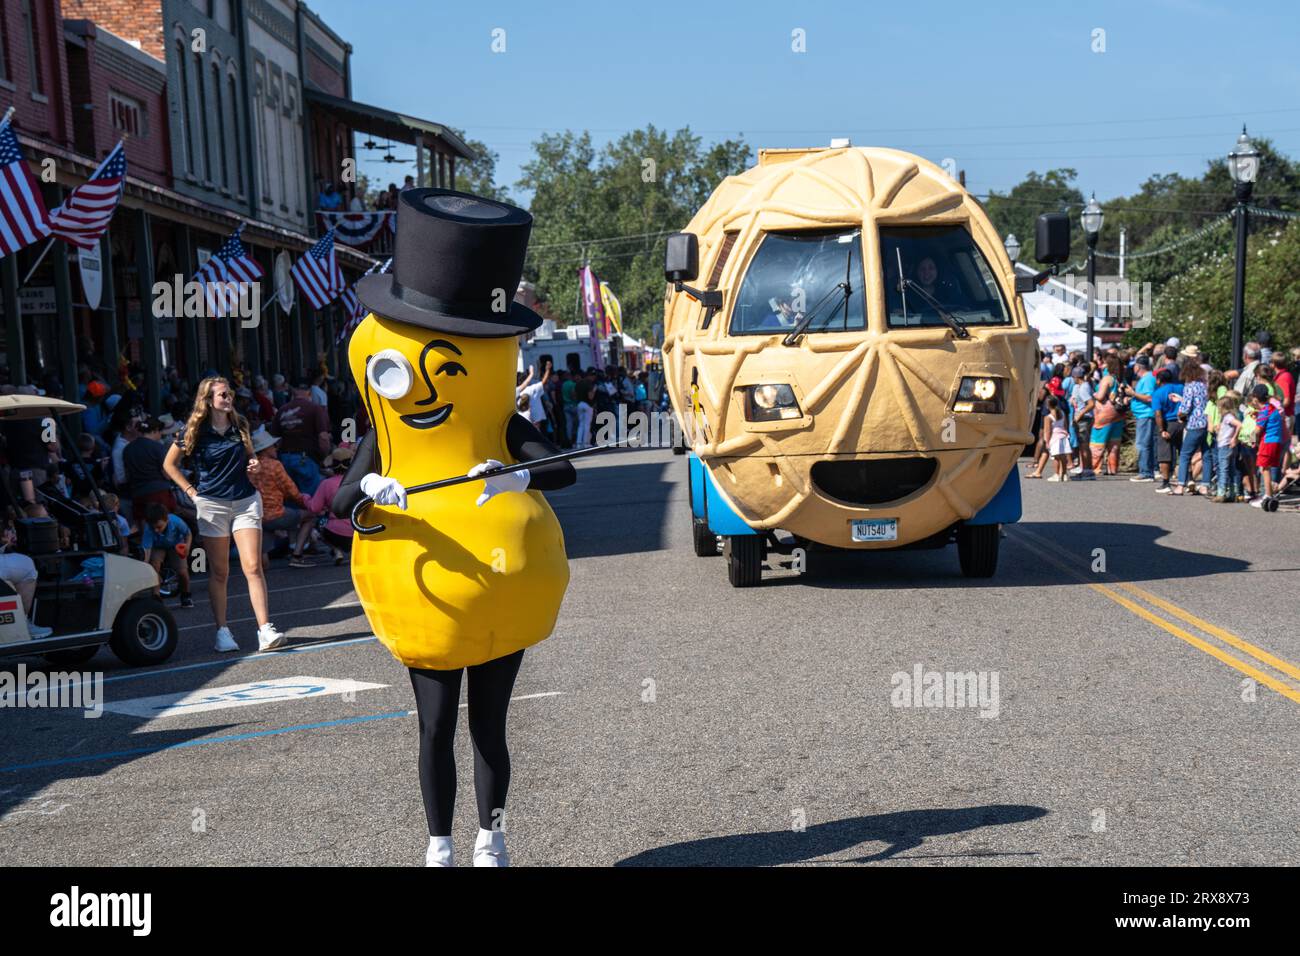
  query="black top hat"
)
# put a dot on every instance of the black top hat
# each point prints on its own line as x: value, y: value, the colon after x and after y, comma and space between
x: 457, y: 261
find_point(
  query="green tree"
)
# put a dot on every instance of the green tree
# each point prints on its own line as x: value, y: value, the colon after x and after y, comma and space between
x: 1017, y: 211
x: 479, y: 175
x: 614, y: 207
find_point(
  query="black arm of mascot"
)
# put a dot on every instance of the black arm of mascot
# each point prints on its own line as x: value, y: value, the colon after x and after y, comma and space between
x: 523, y: 440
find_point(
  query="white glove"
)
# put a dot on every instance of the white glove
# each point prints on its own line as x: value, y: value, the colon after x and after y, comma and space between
x: 384, y: 491
x: 511, y: 481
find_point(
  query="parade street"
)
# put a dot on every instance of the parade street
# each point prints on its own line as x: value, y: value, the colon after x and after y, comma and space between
x: 1138, y: 703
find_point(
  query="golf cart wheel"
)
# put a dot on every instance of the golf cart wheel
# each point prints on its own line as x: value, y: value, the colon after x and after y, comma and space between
x: 744, y: 559
x: 72, y: 657
x: 977, y: 549
x: 144, y: 633
x: 703, y: 540
x: 1269, y: 504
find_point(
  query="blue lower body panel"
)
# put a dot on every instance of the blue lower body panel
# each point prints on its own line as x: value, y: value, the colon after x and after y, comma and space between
x: 1004, y: 508
x: 708, y: 503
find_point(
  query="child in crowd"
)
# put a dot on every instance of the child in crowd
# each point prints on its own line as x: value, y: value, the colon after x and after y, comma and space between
x: 1058, y: 443
x: 1272, y: 433
x: 1226, y: 430
x: 166, y: 540
x: 111, y: 505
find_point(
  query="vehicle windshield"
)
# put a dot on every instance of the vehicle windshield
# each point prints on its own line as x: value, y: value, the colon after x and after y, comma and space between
x: 946, y: 269
x: 795, y: 274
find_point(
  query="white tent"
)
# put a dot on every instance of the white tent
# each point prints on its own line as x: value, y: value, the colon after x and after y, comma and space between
x: 1053, y: 331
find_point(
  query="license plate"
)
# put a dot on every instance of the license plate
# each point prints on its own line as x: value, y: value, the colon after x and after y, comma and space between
x: 877, y: 529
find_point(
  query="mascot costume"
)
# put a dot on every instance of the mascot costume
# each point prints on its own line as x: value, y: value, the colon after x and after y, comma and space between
x: 465, y: 577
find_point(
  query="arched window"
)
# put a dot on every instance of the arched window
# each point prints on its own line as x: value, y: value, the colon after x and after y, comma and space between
x: 200, y: 88
x: 187, y: 111
x: 222, y: 145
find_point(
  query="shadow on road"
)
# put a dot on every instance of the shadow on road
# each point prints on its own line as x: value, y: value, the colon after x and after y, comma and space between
x: 616, y: 509
x: 1133, y: 552
x: 901, y: 831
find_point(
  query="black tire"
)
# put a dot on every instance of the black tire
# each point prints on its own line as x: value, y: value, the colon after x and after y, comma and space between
x: 703, y: 540
x: 1269, y: 504
x: 977, y: 549
x: 144, y: 633
x: 744, y: 559
x: 71, y: 657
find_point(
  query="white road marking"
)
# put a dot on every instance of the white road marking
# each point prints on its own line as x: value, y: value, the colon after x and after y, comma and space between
x: 236, y: 695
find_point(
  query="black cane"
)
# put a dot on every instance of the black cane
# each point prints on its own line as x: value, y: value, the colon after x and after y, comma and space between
x: 359, y: 528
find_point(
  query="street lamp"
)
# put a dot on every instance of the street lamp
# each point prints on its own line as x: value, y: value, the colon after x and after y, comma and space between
x: 1243, y: 164
x: 1092, y: 219
x: 1012, y: 245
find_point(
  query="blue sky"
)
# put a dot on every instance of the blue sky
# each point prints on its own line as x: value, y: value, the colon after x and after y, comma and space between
x: 1001, y: 88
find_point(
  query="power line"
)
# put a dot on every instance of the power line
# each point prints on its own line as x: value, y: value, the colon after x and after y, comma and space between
x: 1237, y: 114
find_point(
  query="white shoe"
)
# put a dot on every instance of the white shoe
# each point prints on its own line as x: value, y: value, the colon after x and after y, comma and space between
x: 269, y: 639
x: 1076, y: 470
x: 1139, y: 478
x: 1054, y: 478
x: 490, y: 848
x: 36, y: 632
x: 225, y: 641
x: 439, y: 852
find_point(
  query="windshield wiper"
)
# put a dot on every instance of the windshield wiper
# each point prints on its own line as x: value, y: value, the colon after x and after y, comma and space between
x: 792, y: 337
x: 948, y: 318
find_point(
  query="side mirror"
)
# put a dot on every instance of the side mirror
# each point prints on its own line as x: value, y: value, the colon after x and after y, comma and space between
x: 1026, y: 284
x: 1052, y: 238
x: 682, y: 257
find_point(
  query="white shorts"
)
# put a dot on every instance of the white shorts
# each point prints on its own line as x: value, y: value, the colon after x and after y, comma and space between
x: 219, y: 517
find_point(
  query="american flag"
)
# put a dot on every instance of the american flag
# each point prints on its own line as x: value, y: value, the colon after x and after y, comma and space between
x: 318, y: 274
x: 84, y: 215
x: 226, y: 272
x: 23, y: 219
x: 352, y: 305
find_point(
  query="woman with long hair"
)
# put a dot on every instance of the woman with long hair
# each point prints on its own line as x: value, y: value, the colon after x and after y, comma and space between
x: 1108, y: 417
x: 217, y: 443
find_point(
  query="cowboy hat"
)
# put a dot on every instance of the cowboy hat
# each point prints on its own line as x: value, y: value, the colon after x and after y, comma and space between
x: 1192, y: 351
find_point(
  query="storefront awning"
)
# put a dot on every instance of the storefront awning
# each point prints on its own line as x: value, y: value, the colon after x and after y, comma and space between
x: 399, y: 127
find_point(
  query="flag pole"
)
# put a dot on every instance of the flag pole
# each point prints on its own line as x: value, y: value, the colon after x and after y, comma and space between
x: 39, y: 260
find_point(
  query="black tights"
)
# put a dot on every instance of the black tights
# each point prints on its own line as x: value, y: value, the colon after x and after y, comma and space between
x: 437, y: 700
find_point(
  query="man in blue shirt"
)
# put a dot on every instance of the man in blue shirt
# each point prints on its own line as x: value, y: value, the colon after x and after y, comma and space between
x: 1165, y: 401
x: 1144, y: 417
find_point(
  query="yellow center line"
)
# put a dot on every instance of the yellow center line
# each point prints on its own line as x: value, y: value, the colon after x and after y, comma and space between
x: 1237, y: 664
x: 1286, y: 667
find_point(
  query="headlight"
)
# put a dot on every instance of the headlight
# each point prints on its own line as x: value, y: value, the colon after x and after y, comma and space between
x: 770, y: 403
x: 984, y: 395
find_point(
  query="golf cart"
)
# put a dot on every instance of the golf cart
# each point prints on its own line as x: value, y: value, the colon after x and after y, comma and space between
x: 90, y: 594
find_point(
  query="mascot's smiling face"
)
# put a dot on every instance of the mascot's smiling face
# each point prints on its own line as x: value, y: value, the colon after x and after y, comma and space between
x: 420, y: 382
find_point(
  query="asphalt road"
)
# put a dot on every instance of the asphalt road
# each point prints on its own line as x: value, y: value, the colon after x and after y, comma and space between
x: 1145, y: 712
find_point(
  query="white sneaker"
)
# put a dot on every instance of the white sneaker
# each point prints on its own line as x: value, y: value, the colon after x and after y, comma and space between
x: 269, y: 639
x: 1054, y: 478
x: 490, y: 848
x: 1077, y: 470
x: 36, y: 632
x: 225, y: 641
x: 1140, y: 478
x: 439, y: 852
x: 1257, y: 502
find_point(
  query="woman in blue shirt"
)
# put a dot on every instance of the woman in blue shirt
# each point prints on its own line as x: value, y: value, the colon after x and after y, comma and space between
x: 217, y: 443
x: 1191, y: 411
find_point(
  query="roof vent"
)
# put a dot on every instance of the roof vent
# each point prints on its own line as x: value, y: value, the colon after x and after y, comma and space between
x: 841, y: 143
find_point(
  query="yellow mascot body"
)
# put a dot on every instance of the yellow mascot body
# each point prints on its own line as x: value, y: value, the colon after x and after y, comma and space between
x: 448, y: 584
